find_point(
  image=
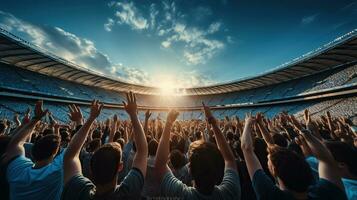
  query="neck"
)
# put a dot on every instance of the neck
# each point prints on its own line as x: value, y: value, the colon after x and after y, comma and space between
x: 42, y: 163
x: 106, y: 188
x: 297, y: 195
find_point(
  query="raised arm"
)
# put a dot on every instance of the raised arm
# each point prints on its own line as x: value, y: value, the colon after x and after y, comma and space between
x: 140, y: 158
x: 222, y: 144
x: 328, y: 168
x: 163, y: 149
x: 15, y: 147
x: 251, y: 159
x: 146, y: 123
x: 72, y: 165
x: 263, y: 129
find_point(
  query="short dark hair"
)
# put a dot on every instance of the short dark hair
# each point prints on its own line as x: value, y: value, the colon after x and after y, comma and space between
x: 4, y: 141
x: 2, y: 127
x: 291, y: 168
x: 45, y: 147
x: 206, y: 165
x: 94, y: 145
x: 177, y: 159
x: 344, y: 153
x: 48, y: 131
x: 152, y: 147
x: 105, y: 163
x: 280, y: 140
x: 97, y: 134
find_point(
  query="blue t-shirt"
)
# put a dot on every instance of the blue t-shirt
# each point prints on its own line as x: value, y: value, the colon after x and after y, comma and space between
x: 323, y: 190
x: 28, y: 183
x: 350, y: 188
x: 228, y: 189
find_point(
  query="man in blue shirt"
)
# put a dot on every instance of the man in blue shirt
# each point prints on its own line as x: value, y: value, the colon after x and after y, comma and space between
x: 41, y: 179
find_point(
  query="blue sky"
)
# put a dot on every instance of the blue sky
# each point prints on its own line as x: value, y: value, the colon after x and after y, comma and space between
x: 180, y: 43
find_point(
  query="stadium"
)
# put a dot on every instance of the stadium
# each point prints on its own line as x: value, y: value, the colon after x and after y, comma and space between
x: 321, y: 80
x: 74, y: 124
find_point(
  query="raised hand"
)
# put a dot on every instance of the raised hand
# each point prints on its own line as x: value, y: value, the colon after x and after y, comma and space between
x: 75, y: 114
x: 131, y: 106
x: 172, y: 116
x: 17, y: 120
x: 39, y: 112
x: 27, y: 116
x: 208, y: 114
x: 249, y: 119
x: 148, y: 115
x: 95, y: 109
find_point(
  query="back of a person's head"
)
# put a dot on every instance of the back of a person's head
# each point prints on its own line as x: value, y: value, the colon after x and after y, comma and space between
x: 291, y: 168
x: 97, y: 134
x: 344, y: 153
x: 260, y: 149
x: 152, y: 147
x: 65, y: 136
x: 48, y: 131
x: 206, y: 166
x: 4, y: 141
x: 230, y: 136
x: 177, y: 159
x: 94, y: 145
x: 105, y: 163
x: 45, y: 147
x: 2, y: 127
x: 280, y: 140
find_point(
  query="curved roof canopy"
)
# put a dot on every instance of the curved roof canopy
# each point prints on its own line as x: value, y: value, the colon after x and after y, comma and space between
x: 20, y: 53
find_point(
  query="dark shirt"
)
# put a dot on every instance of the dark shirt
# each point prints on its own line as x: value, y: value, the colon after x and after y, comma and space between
x: 81, y: 188
x: 323, y: 189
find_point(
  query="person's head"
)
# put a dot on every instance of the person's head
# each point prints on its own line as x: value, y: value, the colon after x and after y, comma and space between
x: 152, y: 147
x: 177, y: 159
x: 346, y: 157
x: 97, y: 134
x: 106, y: 163
x: 48, y: 131
x: 206, y: 166
x: 260, y: 149
x: 65, y: 137
x: 4, y: 141
x: 94, y: 145
x: 3, y: 127
x: 46, y: 148
x: 292, y: 169
x: 280, y: 140
x: 230, y: 136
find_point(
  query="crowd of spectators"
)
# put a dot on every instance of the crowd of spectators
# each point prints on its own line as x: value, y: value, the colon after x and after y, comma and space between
x: 21, y: 79
x: 280, y: 157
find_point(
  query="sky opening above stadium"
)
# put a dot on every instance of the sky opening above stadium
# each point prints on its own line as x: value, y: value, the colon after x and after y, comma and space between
x: 176, y: 44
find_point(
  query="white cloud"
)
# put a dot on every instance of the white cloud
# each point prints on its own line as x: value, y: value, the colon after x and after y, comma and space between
x: 308, y: 19
x: 198, y: 48
x: 83, y: 52
x: 153, y: 13
x: 128, y: 14
x: 214, y: 27
x: 194, y: 44
x: 108, y: 26
x: 70, y: 47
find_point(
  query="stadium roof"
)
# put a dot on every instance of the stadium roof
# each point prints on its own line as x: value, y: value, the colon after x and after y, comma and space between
x: 20, y: 53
